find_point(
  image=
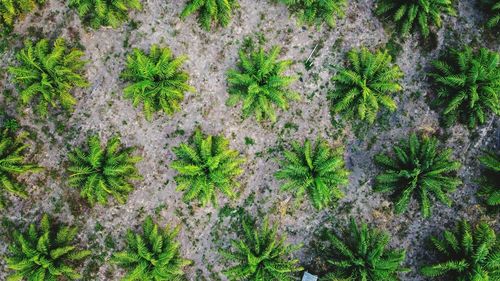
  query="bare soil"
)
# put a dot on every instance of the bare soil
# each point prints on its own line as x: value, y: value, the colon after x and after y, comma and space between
x: 102, y: 109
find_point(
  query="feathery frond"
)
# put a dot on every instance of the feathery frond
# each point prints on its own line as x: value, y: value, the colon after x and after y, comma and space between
x: 261, y: 255
x: 48, y: 74
x: 97, y: 13
x: 204, y: 165
x: 490, y: 180
x: 13, y: 163
x: 492, y: 8
x: 417, y: 168
x: 45, y: 253
x: 211, y: 12
x: 415, y: 15
x: 102, y: 171
x: 153, y: 255
x: 466, y: 254
x: 318, y: 170
x: 156, y: 80
x: 365, y: 85
x: 260, y: 83
x: 12, y: 10
x: 362, y: 254
x: 468, y: 85
x: 317, y: 11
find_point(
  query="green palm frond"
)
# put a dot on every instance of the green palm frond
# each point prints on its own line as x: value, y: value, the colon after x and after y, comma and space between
x: 206, y: 165
x: 13, y: 163
x: 45, y: 253
x: 417, y: 168
x: 153, y: 255
x: 157, y: 80
x: 102, y: 171
x: 490, y: 180
x: 260, y: 84
x: 492, y: 8
x: 318, y: 170
x: 97, y: 13
x: 315, y: 12
x: 365, y: 85
x: 466, y: 254
x: 362, y: 253
x: 211, y: 12
x: 12, y: 10
x: 261, y: 254
x: 415, y: 15
x: 48, y: 74
x: 468, y: 85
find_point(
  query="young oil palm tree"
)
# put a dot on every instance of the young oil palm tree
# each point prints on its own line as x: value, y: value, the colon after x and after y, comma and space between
x: 362, y: 253
x: 102, y: 171
x: 206, y: 165
x: 98, y: 13
x: 48, y: 73
x: 317, y: 11
x: 366, y: 84
x: 415, y: 15
x: 261, y: 255
x: 211, y: 12
x: 157, y: 80
x: 260, y: 83
x: 12, y: 10
x: 314, y: 169
x: 490, y: 180
x: 45, y: 253
x: 153, y: 255
x: 13, y: 162
x: 468, y: 85
x: 466, y: 254
x: 492, y: 8
x: 417, y: 168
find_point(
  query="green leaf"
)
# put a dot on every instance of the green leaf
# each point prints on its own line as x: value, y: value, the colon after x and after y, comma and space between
x: 48, y: 73
x: 204, y: 165
x: 463, y: 252
x: 103, y: 170
x: 318, y: 170
x: 104, y: 13
x: 414, y: 16
x: 260, y: 84
x: 365, y: 84
x: 260, y: 254
x: 468, y: 85
x: 144, y: 260
x: 361, y: 253
x: 43, y: 256
x: 218, y: 12
x: 417, y: 167
x: 317, y: 12
x: 156, y: 80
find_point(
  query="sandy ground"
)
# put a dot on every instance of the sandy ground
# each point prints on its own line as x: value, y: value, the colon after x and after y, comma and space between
x: 102, y: 109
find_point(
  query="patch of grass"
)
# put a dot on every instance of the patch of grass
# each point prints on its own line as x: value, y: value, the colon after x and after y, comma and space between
x: 249, y: 141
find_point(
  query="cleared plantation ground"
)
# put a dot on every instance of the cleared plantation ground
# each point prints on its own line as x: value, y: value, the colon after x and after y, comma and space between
x: 102, y: 109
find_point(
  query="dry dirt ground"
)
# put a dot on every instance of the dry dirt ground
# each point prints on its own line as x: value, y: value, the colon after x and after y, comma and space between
x: 103, y: 110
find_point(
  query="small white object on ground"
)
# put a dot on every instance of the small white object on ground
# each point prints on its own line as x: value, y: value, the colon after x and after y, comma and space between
x: 309, y: 277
